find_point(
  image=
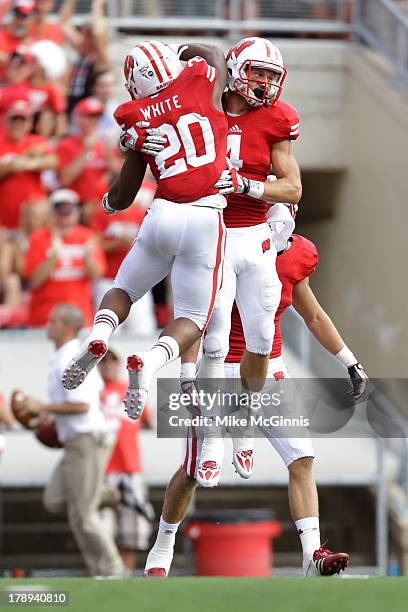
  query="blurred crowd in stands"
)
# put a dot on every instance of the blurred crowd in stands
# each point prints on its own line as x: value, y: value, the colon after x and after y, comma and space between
x: 58, y: 155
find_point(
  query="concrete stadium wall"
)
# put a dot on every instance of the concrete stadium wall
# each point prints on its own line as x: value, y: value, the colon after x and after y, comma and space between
x: 362, y: 278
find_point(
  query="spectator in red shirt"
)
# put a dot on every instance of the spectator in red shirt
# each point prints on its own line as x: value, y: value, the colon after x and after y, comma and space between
x: 23, y: 157
x: 14, y: 87
x: 18, y: 67
x: 62, y: 261
x: 103, y: 88
x: 13, y: 246
x: 131, y: 530
x: 91, y: 44
x: 44, y: 29
x: 48, y: 67
x: 86, y: 163
x: 115, y: 236
x: 17, y: 31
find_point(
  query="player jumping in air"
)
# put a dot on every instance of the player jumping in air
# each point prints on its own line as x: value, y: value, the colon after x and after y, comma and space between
x: 294, y: 267
x: 183, y: 232
x: 260, y: 128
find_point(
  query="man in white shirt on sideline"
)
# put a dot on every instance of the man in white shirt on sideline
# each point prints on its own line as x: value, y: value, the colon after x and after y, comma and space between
x: 77, y: 482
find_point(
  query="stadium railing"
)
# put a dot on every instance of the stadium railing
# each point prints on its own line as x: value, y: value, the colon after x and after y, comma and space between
x: 383, y: 25
x: 233, y: 16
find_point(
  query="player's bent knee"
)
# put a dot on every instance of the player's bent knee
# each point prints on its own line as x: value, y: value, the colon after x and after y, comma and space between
x: 134, y: 296
x: 215, y: 347
x: 199, y: 319
x: 301, y: 466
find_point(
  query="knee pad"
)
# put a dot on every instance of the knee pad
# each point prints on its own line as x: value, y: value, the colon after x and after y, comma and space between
x: 271, y: 294
x: 215, y: 347
x: 261, y: 334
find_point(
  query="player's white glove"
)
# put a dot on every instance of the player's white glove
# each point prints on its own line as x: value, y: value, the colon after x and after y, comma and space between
x: 150, y: 141
x: 231, y: 181
x: 359, y: 380
x: 105, y: 205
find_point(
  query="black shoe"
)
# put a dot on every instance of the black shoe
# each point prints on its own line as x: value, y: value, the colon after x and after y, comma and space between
x: 135, y: 502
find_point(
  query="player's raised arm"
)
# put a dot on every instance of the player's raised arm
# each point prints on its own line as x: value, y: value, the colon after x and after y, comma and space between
x: 124, y: 189
x: 325, y: 332
x: 214, y: 56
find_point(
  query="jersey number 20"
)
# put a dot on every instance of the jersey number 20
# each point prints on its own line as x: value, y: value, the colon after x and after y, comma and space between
x: 180, y: 134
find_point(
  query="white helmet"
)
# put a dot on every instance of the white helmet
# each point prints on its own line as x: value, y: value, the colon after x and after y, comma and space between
x: 251, y: 53
x: 150, y: 67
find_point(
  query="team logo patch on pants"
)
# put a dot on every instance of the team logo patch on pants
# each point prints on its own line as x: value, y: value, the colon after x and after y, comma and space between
x: 266, y: 245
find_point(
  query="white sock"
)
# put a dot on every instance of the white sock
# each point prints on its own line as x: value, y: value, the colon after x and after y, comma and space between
x: 165, y: 350
x: 309, y: 533
x: 161, y: 555
x: 105, y: 323
x: 168, y: 528
x: 187, y: 371
x: 211, y: 367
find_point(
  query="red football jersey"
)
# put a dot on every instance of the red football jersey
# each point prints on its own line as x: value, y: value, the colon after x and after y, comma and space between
x: 292, y: 266
x: 250, y: 138
x: 187, y: 169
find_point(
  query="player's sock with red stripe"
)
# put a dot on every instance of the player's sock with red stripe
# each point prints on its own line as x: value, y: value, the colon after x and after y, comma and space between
x: 309, y: 533
x: 165, y: 350
x: 161, y: 555
x: 105, y: 323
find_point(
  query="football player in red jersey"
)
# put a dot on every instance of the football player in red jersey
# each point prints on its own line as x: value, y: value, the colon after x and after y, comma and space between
x: 183, y: 232
x: 260, y: 129
x: 294, y: 268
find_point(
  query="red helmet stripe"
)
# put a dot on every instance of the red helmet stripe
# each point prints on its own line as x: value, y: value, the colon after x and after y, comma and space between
x: 152, y: 61
x: 162, y: 59
x: 241, y: 46
x: 268, y: 50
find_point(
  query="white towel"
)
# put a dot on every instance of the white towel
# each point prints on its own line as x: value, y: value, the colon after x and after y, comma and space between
x: 282, y: 225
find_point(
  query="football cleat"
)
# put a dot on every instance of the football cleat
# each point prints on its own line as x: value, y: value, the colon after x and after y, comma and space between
x: 327, y: 563
x: 243, y: 461
x: 243, y: 448
x: 208, y: 473
x: 140, y: 378
x: 211, y: 458
x: 160, y: 557
x: 155, y: 572
x: 87, y: 358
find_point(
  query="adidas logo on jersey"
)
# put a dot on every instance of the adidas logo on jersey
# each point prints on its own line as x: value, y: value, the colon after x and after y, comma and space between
x: 235, y: 129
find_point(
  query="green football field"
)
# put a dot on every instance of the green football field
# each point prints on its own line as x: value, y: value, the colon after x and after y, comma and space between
x: 225, y: 594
